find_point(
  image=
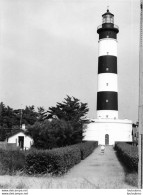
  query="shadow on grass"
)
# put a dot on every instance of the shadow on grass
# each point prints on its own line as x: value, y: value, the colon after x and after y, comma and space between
x: 131, y: 177
x: 5, y: 186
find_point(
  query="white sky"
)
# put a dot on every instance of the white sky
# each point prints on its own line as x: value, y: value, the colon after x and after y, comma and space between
x: 49, y: 48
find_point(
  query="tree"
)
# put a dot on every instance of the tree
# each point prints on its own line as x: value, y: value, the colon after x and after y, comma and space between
x: 41, y: 115
x: 2, y: 134
x: 7, y: 118
x: 2, y: 113
x: 26, y: 116
x: 64, y: 128
x: 72, y: 111
x: 29, y: 115
x: 51, y: 134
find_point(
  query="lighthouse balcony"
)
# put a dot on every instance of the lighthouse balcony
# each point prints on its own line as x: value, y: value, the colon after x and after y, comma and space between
x: 107, y: 25
x: 108, y: 28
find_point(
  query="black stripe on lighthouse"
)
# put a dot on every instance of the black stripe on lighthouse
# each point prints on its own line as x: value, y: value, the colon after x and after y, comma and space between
x: 107, y: 64
x: 107, y: 34
x: 108, y: 30
x: 107, y: 100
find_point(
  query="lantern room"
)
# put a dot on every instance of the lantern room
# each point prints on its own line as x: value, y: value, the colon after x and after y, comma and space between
x: 107, y: 29
x: 107, y: 17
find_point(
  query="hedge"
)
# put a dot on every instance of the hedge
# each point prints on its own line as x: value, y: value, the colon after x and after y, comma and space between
x: 86, y: 148
x: 128, y: 154
x: 57, y: 161
x: 11, y: 161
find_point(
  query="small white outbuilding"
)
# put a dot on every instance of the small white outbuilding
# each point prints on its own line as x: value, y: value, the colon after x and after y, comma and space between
x: 21, y: 139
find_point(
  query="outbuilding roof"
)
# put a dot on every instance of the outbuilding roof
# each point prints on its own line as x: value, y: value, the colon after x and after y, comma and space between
x: 17, y: 132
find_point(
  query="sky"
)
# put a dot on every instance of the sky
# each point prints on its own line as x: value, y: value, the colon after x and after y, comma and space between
x: 49, y: 49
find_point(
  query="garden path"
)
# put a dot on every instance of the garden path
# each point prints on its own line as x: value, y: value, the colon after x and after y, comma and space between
x: 101, y: 170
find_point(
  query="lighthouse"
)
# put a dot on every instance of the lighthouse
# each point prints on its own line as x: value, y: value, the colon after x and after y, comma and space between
x: 107, y: 128
x: 107, y: 94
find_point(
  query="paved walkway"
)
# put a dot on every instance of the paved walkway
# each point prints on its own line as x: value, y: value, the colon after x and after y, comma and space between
x: 100, y: 170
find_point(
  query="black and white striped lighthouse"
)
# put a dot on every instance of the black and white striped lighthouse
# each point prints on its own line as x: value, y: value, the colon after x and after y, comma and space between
x: 107, y: 94
x: 107, y: 128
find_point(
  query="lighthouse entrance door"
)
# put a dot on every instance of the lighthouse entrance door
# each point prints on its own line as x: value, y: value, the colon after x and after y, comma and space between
x: 107, y: 139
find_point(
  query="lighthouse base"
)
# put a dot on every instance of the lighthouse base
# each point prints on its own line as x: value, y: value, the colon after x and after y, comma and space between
x: 108, y: 131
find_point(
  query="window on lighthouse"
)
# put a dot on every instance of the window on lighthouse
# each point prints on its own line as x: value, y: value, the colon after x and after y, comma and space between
x: 108, y: 18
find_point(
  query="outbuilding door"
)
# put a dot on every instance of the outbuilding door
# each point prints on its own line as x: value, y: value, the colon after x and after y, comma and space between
x: 21, y: 141
x: 107, y: 139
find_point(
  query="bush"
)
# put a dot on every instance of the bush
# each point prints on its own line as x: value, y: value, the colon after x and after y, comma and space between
x: 87, y: 148
x: 57, y: 161
x: 128, y: 154
x: 52, y: 134
x: 11, y: 161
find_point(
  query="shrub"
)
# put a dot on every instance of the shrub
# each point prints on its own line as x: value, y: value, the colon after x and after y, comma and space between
x: 128, y: 154
x: 87, y: 148
x: 56, y: 161
x: 132, y: 179
x: 52, y: 134
x: 11, y: 161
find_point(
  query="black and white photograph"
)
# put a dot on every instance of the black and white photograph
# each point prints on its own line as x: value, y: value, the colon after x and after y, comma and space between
x: 71, y: 95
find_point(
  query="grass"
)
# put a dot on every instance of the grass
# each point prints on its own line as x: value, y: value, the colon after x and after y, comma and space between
x: 5, y: 186
x: 26, y: 182
x: 21, y: 185
x: 11, y: 161
x: 22, y: 182
x: 131, y: 179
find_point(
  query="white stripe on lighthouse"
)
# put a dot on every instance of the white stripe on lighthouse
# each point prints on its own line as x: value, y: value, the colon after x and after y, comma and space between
x: 107, y: 46
x: 107, y: 114
x: 107, y: 82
